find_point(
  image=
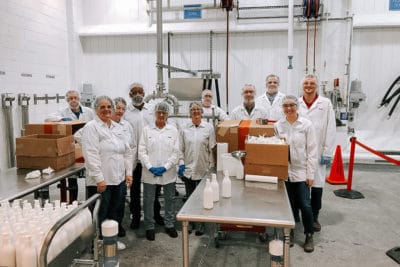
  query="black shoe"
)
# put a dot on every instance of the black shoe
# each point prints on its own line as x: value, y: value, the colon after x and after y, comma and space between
x: 291, y: 238
x: 309, y: 243
x: 121, y: 231
x: 171, y: 232
x: 317, y: 226
x: 297, y: 218
x: 159, y: 220
x: 150, y: 235
x: 135, y: 225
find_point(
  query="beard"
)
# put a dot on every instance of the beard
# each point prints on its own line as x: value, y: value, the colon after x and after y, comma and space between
x: 137, y: 100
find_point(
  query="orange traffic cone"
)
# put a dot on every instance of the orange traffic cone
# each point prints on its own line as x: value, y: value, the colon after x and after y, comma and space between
x: 336, y: 176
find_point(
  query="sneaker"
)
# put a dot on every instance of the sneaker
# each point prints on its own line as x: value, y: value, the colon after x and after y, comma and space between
x: 291, y: 238
x: 150, y: 235
x: 120, y: 245
x: 159, y: 220
x: 309, y: 243
x: 135, y: 225
x: 317, y: 226
x: 172, y: 232
x: 121, y: 231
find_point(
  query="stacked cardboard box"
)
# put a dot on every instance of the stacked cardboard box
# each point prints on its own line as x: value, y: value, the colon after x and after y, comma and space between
x: 235, y: 132
x: 40, y: 151
x: 62, y: 127
x: 267, y: 159
x: 261, y: 159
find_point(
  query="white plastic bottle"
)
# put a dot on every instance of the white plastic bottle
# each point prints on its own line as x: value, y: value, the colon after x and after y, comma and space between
x: 7, y: 251
x: 208, y: 196
x: 29, y: 255
x: 215, y: 187
x: 226, y: 187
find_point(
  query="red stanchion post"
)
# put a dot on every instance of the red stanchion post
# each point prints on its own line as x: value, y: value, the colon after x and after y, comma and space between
x: 349, y: 193
x: 351, y: 163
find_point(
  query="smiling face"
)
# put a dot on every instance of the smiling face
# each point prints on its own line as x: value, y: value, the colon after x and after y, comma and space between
x: 73, y: 100
x: 118, y: 112
x: 104, y: 110
x: 248, y: 93
x: 289, y: 107
x: 310, y: 86
x: 137, y: 95
x: 272, y: 85
x: 206, y: 98
x: 196, y: 113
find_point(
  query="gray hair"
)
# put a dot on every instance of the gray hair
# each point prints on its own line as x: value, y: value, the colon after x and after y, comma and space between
x: 135, y: 84
x: 205, y: 91
x: 195, y: 104
x: 162, y: 107
x: 119, y: 99
x: 273, y: 76
x: 100, y: 98
x: 72, y: 92
x: 291, y: 97
x: 249, y: 84
x: 310, y: 76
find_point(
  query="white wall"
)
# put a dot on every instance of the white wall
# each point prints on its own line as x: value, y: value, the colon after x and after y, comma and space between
x: 33, y: 40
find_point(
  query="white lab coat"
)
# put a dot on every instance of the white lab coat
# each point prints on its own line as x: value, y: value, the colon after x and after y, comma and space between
x: 159, y: 148
x: 86, y: 115
x: 300, y: 137
x: 240, y: 113
x: 275, y: 110
x: 130, y: 139
x: 218, y: 112
x: 108, y: 156
x: 138, y: 119
x: 196, y: 146
x: 322, y: 116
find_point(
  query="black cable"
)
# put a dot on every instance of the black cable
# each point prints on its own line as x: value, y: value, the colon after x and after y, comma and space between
x: 394, y: 106
x: 388, y: 91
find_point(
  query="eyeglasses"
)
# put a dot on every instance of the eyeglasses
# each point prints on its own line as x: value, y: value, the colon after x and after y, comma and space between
x: 269, y: 82
x: 105, y: 107
x: 289, y: 105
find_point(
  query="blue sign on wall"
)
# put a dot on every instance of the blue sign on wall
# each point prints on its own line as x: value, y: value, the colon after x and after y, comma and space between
x: 394, y: 5
x: 191, y: 13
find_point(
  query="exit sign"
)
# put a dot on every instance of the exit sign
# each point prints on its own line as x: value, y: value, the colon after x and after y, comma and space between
x: 394, y: 5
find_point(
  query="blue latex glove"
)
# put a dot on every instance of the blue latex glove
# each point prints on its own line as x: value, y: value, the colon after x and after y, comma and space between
x: 325, y: 160
x: 161, y: 170
x: 66, y: 119
x: 181, y: 170
x: 153, y: 170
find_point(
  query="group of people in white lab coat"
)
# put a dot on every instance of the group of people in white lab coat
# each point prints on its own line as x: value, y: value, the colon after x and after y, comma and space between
x: 125, y: 145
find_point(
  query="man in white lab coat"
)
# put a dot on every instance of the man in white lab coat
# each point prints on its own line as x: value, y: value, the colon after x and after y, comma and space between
x: 319, y: 110
x: 249, y: 110
x: 139, y: 114
x: 271, y: 101
x: 206, y: 101
x: 159, y: 155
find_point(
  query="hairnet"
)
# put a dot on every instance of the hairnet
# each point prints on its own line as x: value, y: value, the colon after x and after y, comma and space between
x: 162, y: 107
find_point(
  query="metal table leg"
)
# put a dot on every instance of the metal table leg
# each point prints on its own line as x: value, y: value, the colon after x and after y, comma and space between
x: 286, y: 247
x: 185, y: 243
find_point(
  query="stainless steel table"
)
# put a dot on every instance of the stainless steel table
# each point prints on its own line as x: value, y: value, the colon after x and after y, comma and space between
x: 250, y: 204
x: 13, y: 184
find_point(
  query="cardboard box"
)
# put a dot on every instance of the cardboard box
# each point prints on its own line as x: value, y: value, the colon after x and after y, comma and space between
x: 267, y: 159
x: 227, y: 132
x: 78, y: 151
x: 56, y: 163
x: 235, y: 132
x: 62, y: 127
x: 45, y: 145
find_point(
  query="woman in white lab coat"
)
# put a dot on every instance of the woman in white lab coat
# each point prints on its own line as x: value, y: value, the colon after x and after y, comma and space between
x: 299, y: 134
x: 108, y: 160
x: 159, y: 155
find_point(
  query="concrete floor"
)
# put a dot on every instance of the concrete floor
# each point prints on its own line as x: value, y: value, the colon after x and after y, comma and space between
x: 354, y: 232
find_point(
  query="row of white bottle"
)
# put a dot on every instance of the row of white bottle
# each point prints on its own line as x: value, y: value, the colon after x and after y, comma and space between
x: 24, y: 228
x: 211, y: 190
